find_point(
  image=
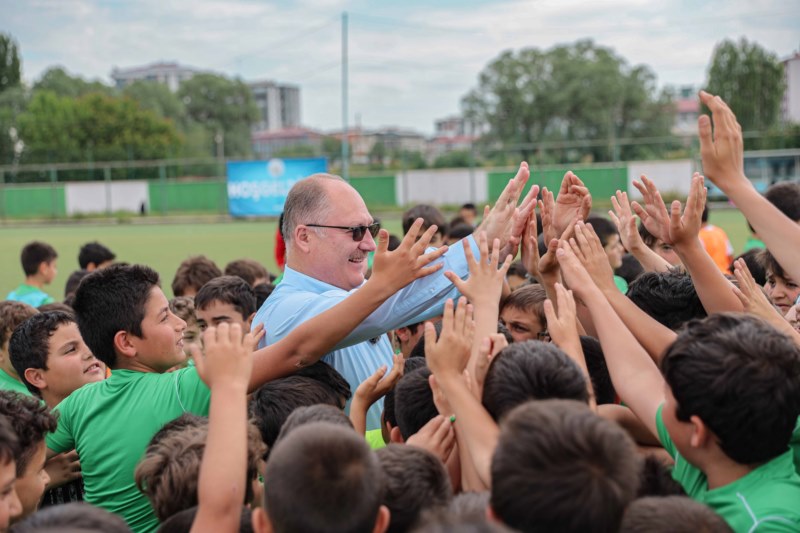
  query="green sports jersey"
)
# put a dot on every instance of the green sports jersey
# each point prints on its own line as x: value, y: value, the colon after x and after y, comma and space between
x: 766, y: 499
x: 794, y: 444
x: 110, y: 424
x: 28, y: 294
x: 9, y: 383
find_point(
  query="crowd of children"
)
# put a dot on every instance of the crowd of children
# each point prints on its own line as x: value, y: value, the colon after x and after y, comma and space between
x: 624, y: 374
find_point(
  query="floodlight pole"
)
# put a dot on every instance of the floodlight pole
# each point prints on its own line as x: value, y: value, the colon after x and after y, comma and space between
x: 345, y: 132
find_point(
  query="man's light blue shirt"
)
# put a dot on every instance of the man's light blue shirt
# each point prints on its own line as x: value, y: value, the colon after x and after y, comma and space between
x: 299, y: 297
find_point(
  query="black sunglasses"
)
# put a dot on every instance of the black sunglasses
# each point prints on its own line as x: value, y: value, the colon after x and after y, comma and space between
x: 359, y: 232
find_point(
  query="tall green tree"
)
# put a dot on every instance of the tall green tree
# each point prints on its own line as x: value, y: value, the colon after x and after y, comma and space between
x: 578, y: 92
x: 13, y: 102
x: 750, y: 79
x: 60, y: 82
x: 224, y: 107
x: 9, y: 62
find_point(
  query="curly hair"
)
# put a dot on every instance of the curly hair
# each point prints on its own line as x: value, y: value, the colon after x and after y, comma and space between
x: 31, y: 421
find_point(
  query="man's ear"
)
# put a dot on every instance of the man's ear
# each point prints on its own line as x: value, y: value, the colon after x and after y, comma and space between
x: 35, y: 376
x: 395, y: 436
x: 123, y: 344
x: 260, y: 519
x: 382, y: 520
x: 302, y: 238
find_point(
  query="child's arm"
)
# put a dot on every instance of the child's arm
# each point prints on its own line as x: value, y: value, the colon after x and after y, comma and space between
x: 226, y: 369
x: 447, y: 357
x: 723, y: 163
x: 315, y: 337
x: 713, y: 289
x: 483, y: 289
x: 636, y: 378
x: 653, y: 336
x: 563, y: 328
x: 373, y: 389
x: 629, y: 234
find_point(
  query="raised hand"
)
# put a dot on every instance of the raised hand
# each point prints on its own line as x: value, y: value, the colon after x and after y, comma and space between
x: 562, y: 325
x: 684, y: 229
x: 519, y: 223
x: 407, y: 262
x: 573, y: 270
x: 573, y: 203
x: 723, y: 150
x: 750, y: 294
x: 623, y: 218
x: 654, y: 213
x: 449, y: 355
x: 437, y: 436
x: 587, y: 247
x: 485, y: 282
x: 498, y: 222
x: 487, y: 351
x: 63, y: 468
x: 379, y: 383
x: 228, y: 358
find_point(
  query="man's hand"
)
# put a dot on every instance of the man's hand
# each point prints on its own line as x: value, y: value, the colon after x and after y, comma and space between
x: 437, y: 436
x: 228, y: 358
x: 587, y: 247
x: 485, y: 282
x: 499, y: 222
x: 685, y: 230
x: 622, y: 215
x: 573, y: 202
x: 408, y: 262
x: 723, y: 151
x: 376, y: 386
x: 63, y: 468
x: 449, y: 354
x: 654, y: 213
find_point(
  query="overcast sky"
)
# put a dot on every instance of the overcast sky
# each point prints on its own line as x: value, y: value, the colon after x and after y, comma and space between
x: 410, y: 61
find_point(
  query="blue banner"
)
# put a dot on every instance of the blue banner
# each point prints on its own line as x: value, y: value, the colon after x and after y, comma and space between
x: 259, y: 188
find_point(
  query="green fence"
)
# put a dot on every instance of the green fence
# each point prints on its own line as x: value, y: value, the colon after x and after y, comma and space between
x: 169, y: 196
x: 376, y: 190
x: 32, y: 201
x: 602, y: 180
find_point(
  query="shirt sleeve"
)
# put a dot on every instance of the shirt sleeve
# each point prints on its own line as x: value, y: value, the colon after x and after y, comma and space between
x: 663, y: 434
x: 418, y: 301
x: 193, y: 394
x: 62, y: 439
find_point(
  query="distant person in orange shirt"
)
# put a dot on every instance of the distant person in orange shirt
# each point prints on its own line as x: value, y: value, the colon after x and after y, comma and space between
x: 716, y: 243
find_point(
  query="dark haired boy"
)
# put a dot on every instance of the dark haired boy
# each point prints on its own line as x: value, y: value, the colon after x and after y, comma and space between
x: 75, y: 517
x: 225, y: 299
x: 431, y: 217
x: 94, y: 255
x: 127, y: 323
x: 10, y: 506
x: 724, y: 409
x: 48, y: 352
x: 192, y: 274
x: 668, y: 297
x: 31, y: 422
x: 559, y: 467
x: 522, y: 312
x: 322, y: 477
x: 670, y: 514
x: 12, y: 314
x: 39, y: 264
x: 249, y: 270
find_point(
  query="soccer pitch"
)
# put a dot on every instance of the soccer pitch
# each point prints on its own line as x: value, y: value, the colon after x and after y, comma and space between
x: 163, y: 246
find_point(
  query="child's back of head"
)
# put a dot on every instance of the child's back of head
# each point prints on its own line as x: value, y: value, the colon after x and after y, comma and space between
x: 34, y: 254
x: 313, y: 413
x: 786, y: 197
x: 324, y: 478
x: 559, y: 467
x: 274, y: 401
x: 416, y: 480
x: 192, y: 274
x: 430, y: 216
x: 531, y: 370
x: 669, y: 297
x: 74, y: 517
x: 741, y: 377
x: 182, y: 522
x: 413, y: 402
x: 249, y: 270
x: 94, y: 255
x: 671, y: 514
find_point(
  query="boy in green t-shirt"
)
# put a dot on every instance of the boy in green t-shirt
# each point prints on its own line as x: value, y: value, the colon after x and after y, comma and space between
x: 39, y: 264
x: 126, y: 321
x: 12, y: 314
x: 725, y: 408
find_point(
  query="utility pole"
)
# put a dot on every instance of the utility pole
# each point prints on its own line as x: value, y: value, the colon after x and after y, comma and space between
x: 345, y: 131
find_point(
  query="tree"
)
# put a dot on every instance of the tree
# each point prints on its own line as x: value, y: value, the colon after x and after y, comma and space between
x: 224, y: 107
x: 9, y: 62
x: 59, y: 81
x: 578, y: 92
x: 750, y: 79
x: 13, y: 102
x: 157, y: 97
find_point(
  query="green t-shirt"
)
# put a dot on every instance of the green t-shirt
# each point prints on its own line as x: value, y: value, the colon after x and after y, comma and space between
x: 766, y: 499
x: 9, y: 383
x: 28, y: 294
x: 110, y: 424
x: 794, y: 444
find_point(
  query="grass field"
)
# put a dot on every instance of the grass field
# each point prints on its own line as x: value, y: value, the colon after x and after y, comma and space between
x: 164, y: 246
